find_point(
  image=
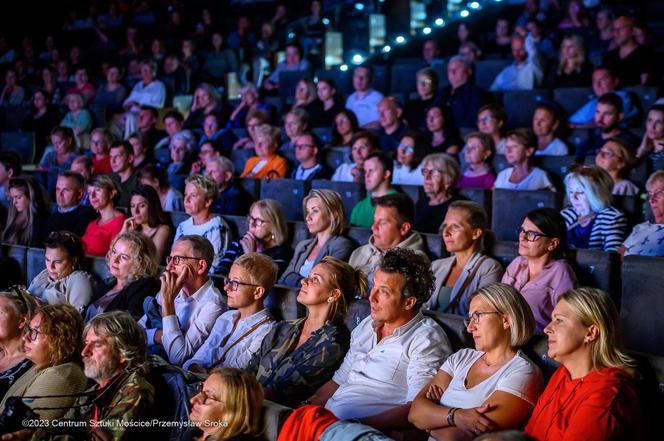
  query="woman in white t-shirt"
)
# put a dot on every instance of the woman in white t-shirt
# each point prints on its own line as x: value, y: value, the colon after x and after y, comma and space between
x: 492, y: 387
x: 522, y: 175
x: 408, y: 162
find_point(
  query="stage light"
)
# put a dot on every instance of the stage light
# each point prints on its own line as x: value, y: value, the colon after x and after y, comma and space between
x: 400, y: 39
x: 426, y: 31
x: 343, y: 67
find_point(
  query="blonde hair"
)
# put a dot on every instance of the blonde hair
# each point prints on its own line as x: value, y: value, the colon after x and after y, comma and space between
x: 624, y: 151
x: 204, y: 183
x: 508, y: 301
x: 594, y: 307
x: 597, y: 183
x: 144, y: 259
x: 577, y: 41
x: 273, y: 213
x: 656, y: 176
x: 267, y: 131
x: 447, y: 164
x: 107, y: 183
x: 333, y: 205
x: 349, y: 281
x: 242, y: 396
x: 262, y: 270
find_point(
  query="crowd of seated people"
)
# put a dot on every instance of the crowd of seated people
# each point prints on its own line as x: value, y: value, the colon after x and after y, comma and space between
x: 154, y: 197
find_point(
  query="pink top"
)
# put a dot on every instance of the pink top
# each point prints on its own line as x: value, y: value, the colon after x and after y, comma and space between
x: 482, y: 181
x: 543, y: 292
x: 97, y: 238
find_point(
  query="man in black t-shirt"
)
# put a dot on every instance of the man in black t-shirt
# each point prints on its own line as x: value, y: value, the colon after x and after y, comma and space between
x: 630, y: 61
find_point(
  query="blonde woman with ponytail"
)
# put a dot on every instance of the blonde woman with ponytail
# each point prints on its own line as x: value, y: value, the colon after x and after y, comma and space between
x: 298, y: 356
x: 591, y: 396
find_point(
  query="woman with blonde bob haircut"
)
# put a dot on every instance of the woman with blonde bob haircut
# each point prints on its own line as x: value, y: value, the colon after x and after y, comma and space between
x: 492, y: 387
x: 591, y: 396
x: 267, y: 233
x: 233, y: 400
x: 325, y: 219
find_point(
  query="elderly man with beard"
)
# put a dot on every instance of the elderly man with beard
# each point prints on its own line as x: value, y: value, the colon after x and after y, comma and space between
x: 114, y: 357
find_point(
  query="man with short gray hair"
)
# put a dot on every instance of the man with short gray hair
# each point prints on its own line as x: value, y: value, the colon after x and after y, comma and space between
x: 233, y: 200
x: 462, y: 96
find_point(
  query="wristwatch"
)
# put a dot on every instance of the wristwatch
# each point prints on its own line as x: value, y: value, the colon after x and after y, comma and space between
x: 450, y: 416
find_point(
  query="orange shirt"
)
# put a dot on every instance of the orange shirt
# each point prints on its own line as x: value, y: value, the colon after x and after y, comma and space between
x: 275, y: 167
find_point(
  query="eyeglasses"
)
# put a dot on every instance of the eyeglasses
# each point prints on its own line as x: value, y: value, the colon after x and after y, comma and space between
x: 256, y: 221
x: 474, y: 318
x: 424, y: 82
x: 177, y: 260
x: 529, y: 235
x: 426, y: 172
x: 655, y: 195
x: 32, y: 333
x: 234, y: 285
x: 205, y: 396
x: 485, y: 119
x: 406, y: 148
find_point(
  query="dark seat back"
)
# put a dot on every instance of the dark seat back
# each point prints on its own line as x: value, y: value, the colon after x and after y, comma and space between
x: 572, y: 98
x: 511, y: 206
x: 351, y: 193
x: 358, y: 310
x: 520, y: 105
x: 251, y: 186
x: 486, y: 71
x: 22, y: 143
x: 289, y: 193
x: 454, y: 328
x: 239, y: 159
x: 599, y: 269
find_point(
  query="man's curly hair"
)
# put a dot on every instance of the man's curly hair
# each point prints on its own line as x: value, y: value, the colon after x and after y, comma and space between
x: 416, y: 270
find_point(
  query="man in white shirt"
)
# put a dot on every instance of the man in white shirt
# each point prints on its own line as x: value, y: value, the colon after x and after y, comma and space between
x: 364, y: 101
x: 393, y: 353
x: 189, y: 301
x: 526, y: 71
x: 237, y: 334
x: 307, y: 149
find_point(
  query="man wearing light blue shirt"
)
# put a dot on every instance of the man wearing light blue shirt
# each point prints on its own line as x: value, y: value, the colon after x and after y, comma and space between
x: 526, y: 71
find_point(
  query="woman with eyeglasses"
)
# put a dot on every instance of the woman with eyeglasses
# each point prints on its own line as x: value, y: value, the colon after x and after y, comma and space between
x: 267, y: 233
x: 148, y: 218
x: 16, y: 309
x: 132, y: 262
x: 477, y: 153
x: 616, y: 158
x: 415, y: 112
x: 464, y: 232
x: 491, y: 120
x: 299, y: 356
x: 28, y: 213
x: 325, y: 219
x: 591, y: 221
x: 492, y: 387
x: 592, y: 395
x: 444, y: 134
x: 104, y: 192
x: 408, y: 163
x: 63, y: 280
x: 440, y: 172
x: 228, y: 407
x: 647, y: 238
x: 52, y: 342
x: 362, y: 145
x: 540, y: 272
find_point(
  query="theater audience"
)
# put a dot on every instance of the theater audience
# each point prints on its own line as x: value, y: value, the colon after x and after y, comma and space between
x: 78, y: 119
x: 573, y: 69
x: 267, y: 163
x: 267, y: 233
x: 233, y: 199
x: 344, y: 129
x: 377, y: 169
x: 616, y: 158
x: 103, y: 192
x: 157, y: 178
x: 362, y: 144
x: 148, y: 218
x: 63, y: 151
x: 328, y: 105
x: 255, y: 119
x: 308, y: 148
x: 17, y: 307
x: 464, y: 231
x: 540, y: 272
x: 652, y: 143
x: 43, y: 118
x: 491, y: 119
x: 207, y: 101
x: 324, y: 216
x: 27, y: 216
x: 296, y: 122
x: 52, y: 342
x: 70, y: 214
x: 522, y: 175
x: 305, y: 94
x: 393, y: 353
x: 63, y: 280
x: 595, y: 383
x: 462, y: 96
x: 229, y: 406
x: 214, y: 133
x: 141, y: 155
x: 426, y: 82
x: 444, y: 135
x: 237, y: 334
x: 629, y: 59
x: 392, y: 127
x: 174, y: 125
x: 122, y: 163
x: 180, y: 154
x: 408, y: 161
x: 199, y: 195
x: 297, y: 357
x: 363, y: 102
x: 477, y: 153
x: 647, y: 238
x: 10, y: 166
x: 249, y: 104
x: 146, y: 125
x: 546, y: 122
x: 526, y: 71
x: 100, y: 144
x: 294, y: 62
x: 440, y: 172
x: 147, y: 92
x: 392, y: 227
x: 591, y: 221
x: 181, y: 317
x: 493, y: 386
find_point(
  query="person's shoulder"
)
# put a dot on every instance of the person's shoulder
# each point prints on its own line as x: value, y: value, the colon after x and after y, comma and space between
x: 438, y: 264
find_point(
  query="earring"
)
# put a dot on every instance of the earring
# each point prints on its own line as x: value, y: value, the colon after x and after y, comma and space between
x: 330, y: 300
x: 272, y: 236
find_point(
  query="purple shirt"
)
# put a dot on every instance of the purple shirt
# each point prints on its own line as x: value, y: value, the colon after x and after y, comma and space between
x: 543, y: 292
x: 483, y: 181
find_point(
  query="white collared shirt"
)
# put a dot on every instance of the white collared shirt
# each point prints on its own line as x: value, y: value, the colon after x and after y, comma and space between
x: 365, y: 107
x: 377, y: 376
x: 194, y: 318
x: 239, y: 354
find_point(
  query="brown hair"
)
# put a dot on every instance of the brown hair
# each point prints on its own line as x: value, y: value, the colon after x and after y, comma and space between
x: 62, y: 325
